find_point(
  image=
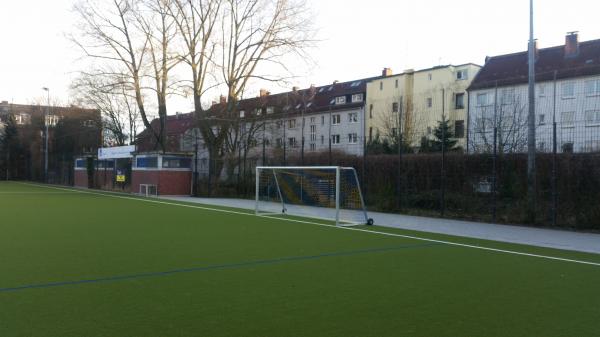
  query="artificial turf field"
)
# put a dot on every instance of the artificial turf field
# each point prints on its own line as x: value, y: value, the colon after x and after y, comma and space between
x: 82, y: 264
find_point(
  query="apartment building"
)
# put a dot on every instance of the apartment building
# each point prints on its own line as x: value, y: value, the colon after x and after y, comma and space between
x: 567, y: 92
x: 420, y: 98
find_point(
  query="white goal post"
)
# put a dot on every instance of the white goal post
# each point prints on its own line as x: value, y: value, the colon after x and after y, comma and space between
x: 325, y: 192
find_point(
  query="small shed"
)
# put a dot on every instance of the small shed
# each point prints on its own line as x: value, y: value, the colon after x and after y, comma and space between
x: 158, y: 173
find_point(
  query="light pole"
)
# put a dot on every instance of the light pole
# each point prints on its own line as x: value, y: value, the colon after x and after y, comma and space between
x: 47, y: 90
x: 531, y: 141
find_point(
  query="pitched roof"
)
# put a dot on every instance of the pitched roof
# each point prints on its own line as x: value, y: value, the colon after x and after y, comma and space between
x: 311, y: 100
x: 512, y: 69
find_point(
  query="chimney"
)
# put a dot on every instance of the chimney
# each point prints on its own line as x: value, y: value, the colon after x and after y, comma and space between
x: 572, y: 44
x: 336, y: 82
x: 294, y: 89
x: 536, y: 49
x: 223, y: 99
x: 264, y: 93
x: 4, y: 102
x: 214, y: 103
x: 387, y: 72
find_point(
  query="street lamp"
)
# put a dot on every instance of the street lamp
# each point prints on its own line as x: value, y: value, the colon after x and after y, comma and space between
x: 46, y: 135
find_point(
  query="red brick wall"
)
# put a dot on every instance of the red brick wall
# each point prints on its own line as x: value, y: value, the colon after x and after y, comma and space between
x: 81, y: 178
x: 168, y: 182
x: 102, y: 180
x: 143, y: 177
x: 175, y: 183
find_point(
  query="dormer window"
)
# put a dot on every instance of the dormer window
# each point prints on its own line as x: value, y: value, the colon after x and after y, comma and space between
x: 355, y: 84
x: 462, y: 74
x: 242, y: 113
x: 357, y: 98
x: 270, y: 110
x: 340, y: 100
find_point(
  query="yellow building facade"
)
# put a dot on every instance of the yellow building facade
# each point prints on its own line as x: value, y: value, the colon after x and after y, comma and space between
x: 415, y: 101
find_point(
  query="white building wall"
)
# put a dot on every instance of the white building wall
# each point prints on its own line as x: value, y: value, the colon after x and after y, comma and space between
x: 575, y: 106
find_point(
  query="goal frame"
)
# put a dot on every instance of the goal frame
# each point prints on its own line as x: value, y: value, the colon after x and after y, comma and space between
x: 337, y: 169
x: 147, y: 187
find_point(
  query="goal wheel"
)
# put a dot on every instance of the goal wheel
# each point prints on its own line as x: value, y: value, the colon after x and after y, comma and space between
x: 370, y: 222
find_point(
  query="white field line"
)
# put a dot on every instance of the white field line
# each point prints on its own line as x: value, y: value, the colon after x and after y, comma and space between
x: 504, y: 251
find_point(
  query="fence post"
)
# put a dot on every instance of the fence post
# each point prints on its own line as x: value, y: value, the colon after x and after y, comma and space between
x: 399, y: 177
x: 554, y: 156
x: 443, y: 173
x: 495, y: 157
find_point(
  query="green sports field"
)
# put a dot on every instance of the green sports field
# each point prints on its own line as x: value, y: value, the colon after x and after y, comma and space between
x: 74, y: 263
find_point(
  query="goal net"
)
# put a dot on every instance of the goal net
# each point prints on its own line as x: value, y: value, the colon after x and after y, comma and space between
x: 330, y: 193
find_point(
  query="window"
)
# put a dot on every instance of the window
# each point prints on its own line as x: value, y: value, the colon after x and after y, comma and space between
x: 508, y: 96
x: 459, y: 129
x: 370, y: 133
x: 147, y: 162
x: 459, y: 101
x: 258, y: 111
x: 355, y: 84
x: 592, y: 118
x: 242, y: 113
x: 429, y: 102
x: 430, y: 77
x: 568, y: 119
x: 292, y: 141
x: 176, y: 162
x: 592, y: 88
x: 429, y: 130
x: 542, y: 119
x: 279, y: 142
x: 542, y: 90
x: 381, y: 86
x: 394, y: 132
x: 313, y: 133
x: 279, y: 124
x: 353, y: 138
x: 336, y: 119
x: 541, y: 146
x: 592, y: 145
x: 462, y: 74
x: 270, y: 110
x: 291, y: 124
x: 395, y: 107
x: 89, y: 123
x: 482, y: 99
x: 313, y: 147
x: 340, y: 100
x: 80, y: 163
x: 357, y: 98
x: 313, y: 120
x: 322, y: 120
x: 322, y: 139
x: 397, y: 83
x: 52, y: 120
x: 22, y: 119
x: 567, y: 147
x: 335, y: 139
x: 568, y: 90
x: 371, y: 111
x: 353, y: 117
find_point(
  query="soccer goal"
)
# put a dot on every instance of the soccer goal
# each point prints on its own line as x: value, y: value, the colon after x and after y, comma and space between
x: 148, y: 190
x: 328, y: 192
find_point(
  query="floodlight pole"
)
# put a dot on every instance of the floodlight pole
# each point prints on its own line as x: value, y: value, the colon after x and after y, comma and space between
x: 46, y: 136
x: 531, y: 141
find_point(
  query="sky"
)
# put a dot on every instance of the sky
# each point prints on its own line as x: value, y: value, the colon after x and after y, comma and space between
x: 357, y: 39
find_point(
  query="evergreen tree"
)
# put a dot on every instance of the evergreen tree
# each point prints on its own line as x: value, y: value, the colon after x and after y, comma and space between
x: 9, y: 144
x: 442, y: 134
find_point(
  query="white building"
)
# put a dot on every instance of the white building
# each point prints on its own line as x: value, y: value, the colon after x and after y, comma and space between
x: 567, y: 92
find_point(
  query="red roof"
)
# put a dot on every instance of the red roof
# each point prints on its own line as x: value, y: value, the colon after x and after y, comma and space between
x: 512, y: 69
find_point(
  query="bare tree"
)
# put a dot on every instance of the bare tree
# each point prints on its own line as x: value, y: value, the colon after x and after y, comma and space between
x: 133, y: 37
x: 120, y: 114
x: 508, y: 117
